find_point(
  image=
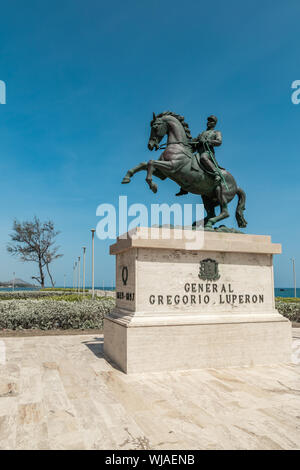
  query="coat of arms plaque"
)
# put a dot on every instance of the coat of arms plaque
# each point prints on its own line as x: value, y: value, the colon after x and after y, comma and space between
x: 209, y: 270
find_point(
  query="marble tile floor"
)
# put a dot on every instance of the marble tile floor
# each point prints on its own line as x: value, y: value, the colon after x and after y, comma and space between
x: 58, y: 392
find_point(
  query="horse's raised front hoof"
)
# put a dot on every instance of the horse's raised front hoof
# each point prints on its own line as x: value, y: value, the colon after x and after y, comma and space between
x: 126, y: 180
x: 154, y: 187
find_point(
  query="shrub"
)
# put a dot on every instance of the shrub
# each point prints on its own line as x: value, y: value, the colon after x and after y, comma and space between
x: 25, y: 294
x: 72, y: 297
x: 290, y: 310
x: 61, y: 289
x: 288, y: 299
x: 53, y: 294
x: 50, y: 314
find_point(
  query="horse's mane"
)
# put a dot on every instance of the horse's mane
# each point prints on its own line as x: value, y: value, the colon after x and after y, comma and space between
x: 180, y: 119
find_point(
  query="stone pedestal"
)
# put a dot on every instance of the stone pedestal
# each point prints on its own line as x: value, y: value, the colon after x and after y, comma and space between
x: 189, y: 305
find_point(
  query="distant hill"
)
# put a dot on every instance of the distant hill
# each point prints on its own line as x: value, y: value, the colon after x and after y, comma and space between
x: 17, y: 283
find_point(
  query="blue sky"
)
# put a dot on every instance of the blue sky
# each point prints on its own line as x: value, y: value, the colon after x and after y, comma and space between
x: 83, y: 78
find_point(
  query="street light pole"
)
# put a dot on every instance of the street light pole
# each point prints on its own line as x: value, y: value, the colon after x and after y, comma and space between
x: 294, y: 276
x: 93, y: 267
x: 74, y: 275
x: 14, y: 278
x: 83, y: 267
x: 64, y: 281
x: 78, y: 274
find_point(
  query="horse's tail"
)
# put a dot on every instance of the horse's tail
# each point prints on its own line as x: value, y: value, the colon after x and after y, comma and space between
x: 240, y: 208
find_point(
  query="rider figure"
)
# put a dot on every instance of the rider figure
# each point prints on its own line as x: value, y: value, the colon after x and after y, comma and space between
x: 204, y: 144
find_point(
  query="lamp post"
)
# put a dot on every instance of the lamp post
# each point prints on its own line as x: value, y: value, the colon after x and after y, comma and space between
x: 74, y: 275
x: 78, y: 286
x: 294, y: 276
x: 14, y: 278
x: 64, y: 281
x: 83, y: 268
x: 93, y: 267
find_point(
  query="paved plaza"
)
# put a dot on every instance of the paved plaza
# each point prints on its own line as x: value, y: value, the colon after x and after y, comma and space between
x: 58, y: 392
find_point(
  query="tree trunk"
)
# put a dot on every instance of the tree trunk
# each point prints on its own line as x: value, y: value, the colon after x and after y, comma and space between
x: 48, y: 270
x: 42, y: 277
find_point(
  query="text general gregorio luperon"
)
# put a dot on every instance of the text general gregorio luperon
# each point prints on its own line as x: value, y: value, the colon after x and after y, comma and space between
x: 204, y: 293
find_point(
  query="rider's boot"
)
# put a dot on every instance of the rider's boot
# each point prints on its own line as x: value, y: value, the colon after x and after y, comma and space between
x: 181, y: 192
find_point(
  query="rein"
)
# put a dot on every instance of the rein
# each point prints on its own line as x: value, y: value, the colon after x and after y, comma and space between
x: 164, y: 146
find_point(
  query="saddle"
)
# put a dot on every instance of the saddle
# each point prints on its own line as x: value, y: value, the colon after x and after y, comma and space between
x: 196, y: 164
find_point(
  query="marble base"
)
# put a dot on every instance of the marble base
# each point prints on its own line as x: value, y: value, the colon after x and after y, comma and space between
x: 170, y: 316
x: 171, y: 344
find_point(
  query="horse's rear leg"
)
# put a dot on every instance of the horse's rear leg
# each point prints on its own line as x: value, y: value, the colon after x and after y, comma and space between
x: 210, y: 212
x: 132, y: 171
x: 223, y: 209
x: 240, y: 208
x: 223, y: 215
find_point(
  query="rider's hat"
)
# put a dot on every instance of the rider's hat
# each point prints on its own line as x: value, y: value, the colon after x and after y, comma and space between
x: 212, y: 118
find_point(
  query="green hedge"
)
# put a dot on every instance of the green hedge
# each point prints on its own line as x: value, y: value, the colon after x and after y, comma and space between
x: 61, y: 289
x: 288, y: 299
x: 31, y: 294
x: 74, y: 297
x: 50, y: 314
x: 67, y: 296
x: 290, y: 310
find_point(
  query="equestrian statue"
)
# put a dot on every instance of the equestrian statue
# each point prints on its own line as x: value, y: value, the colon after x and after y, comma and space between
x: 192, y: 164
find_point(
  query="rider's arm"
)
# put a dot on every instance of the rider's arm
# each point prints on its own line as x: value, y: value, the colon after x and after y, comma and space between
x: 216, y: 140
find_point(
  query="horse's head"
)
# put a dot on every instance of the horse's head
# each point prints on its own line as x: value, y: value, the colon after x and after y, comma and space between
x: 171, y: 124
x: 159, y: 128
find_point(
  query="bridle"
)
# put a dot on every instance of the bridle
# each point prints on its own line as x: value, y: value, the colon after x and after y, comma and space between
x: 164, y: 146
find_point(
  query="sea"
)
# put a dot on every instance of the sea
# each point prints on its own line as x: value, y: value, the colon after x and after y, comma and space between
x: 279, y: 291
x: 10, y: 289
x: 286, y: 292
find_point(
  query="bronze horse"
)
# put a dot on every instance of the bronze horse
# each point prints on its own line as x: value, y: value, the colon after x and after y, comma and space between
x: 178, y: 163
